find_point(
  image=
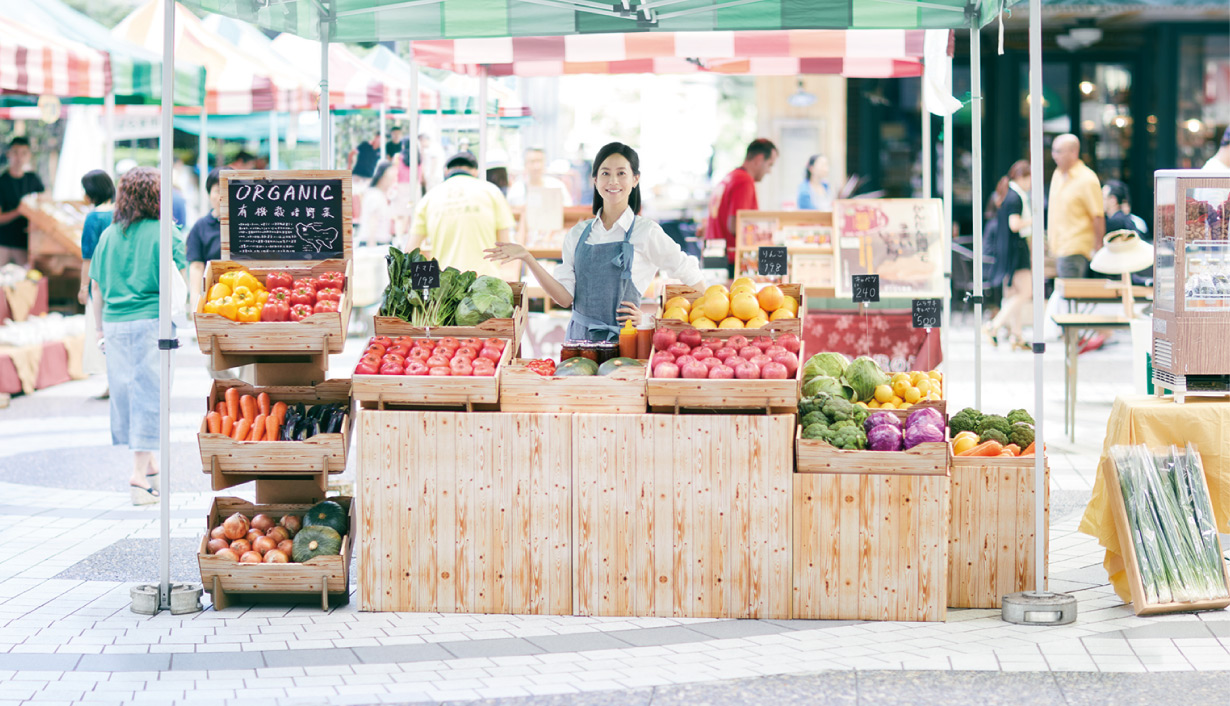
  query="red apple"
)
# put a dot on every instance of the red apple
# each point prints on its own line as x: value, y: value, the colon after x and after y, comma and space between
x: 678, y: 349
x: 721, y: 372
x: 684, y: 360
x: 761, y: 360
x: 715, y: 343
x: 664, y: 338
x: 695, y: 370
x: 789, y: 341
x: 747, y: 371
x: 749, y: 352
x: 787, y: 359
x: 666, y: 370
x: 762, y: 342
x: 737, y: 341
x: 724, y: 354
x: 661, y: 357
x: 702, y: 353
x: 773, y: 371
x: 774, y: 350
x: 712, y: 363
x: 690, y: 336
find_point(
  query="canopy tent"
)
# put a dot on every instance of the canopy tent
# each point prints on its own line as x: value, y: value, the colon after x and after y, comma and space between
x: 882, y: 53
x: 354, y: 83
x: 388, y: 62
x: 135, y: 71
x: 37, y: 63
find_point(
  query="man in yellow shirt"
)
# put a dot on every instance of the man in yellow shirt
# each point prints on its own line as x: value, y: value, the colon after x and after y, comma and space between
x: 461, y: 217
x: 1076, y: 221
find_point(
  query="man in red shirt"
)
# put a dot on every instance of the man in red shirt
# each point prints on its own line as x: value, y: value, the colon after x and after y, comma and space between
x: 738, y: 192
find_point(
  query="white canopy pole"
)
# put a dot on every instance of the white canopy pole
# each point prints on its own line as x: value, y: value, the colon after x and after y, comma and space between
x: 1036, y: 167
x: 975, y: 71
x: 165, y: 273
x: 273, y: 139
x: 482, y: 122
x: 109, y: 130
x: 326, y: 124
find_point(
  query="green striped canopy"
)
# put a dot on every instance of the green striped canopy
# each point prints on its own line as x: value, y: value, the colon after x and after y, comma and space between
x: 382, y: 20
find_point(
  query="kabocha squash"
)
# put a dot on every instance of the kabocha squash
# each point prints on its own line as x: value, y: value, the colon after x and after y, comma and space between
x: 327, y: 514
x: 315, y: 540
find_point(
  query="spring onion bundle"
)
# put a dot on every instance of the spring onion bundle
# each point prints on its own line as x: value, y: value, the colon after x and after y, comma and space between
x: 1170, y: 518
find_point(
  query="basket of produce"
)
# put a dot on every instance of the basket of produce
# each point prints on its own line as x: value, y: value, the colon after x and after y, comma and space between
x: 277, y: 550
x: 435, y: 371
x: 864, y: 383
x: 723, y: 369
x: 465, y: 304
x: 771, y: 307
x: 838, y: 436
x: 990, y: 435
x: 274, y: 431
x: 292, y: 309
x: 578, y: 384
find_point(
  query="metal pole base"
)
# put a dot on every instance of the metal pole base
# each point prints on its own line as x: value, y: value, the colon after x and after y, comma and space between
x: 185, y: 598
x: 1039, y: 608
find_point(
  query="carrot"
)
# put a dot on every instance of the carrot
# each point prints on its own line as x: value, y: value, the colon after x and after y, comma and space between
x: 213, y: 422
x: 271, y: 428
x: 258, y: 428
x: 228, y: 424
x: 1029, y: 450
x: 1007, y: 454
x: 220, y: 408
x: 1016, y: 450
x: 242, y: 429
x: 279, y: 411
x: 247, y: 403
x: 232, y: 402
x: 987, y: 448
x: 262, y: 403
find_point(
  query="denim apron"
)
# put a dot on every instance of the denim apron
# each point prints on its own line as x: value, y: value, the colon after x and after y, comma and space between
x: 603, y: 280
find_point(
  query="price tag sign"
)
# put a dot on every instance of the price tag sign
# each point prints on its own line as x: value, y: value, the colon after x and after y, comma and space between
x: 425, y: 275
x: 927, y: 313
x: 771, y: 261
x: 866, y: 288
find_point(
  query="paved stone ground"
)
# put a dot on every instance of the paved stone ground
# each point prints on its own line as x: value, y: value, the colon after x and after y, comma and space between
x: 75, y: 545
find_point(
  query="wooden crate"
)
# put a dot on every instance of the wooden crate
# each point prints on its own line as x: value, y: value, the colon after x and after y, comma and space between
x: 319, y: 333
x: 794, y: 325
x: 676, y: 394
x: 816, y: 456
x: 684, y: 516
x: 870, y: 546
x: 523, y: 390
x: 1119, y: 511
x: 426, y: 391
x: 465, y: 513
x: 991, y: 534
x: 231, y: 462
x: 940, y: 406
x: 491, y: 328
x: 324, y: 576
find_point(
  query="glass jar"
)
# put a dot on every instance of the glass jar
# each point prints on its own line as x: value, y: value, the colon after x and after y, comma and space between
x: 606, y: 350
x: 589, y: 350
x: 570, y: 349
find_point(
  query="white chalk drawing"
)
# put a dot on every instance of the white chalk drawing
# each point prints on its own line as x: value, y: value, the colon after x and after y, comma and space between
x: 316, y: 236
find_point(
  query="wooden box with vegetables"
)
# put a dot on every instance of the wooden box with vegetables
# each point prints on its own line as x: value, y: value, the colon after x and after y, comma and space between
x: 743, y: 306
x: 464, y: 305
x: 277, y: 550
x: 251, y: 433
x: 435, y: 371
x: 578, y: 384
x: 723, y: 369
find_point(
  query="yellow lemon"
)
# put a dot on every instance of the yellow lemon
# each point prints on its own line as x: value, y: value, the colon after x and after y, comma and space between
x: 883, y: 393
x: 924, y: 385
x: 873, y: 405
x: 770, y: 298
x: 888, y: 405
x: 680, y: 302
x: 703, y: 322
x: 900, y: 376
x: 900, y: 385
x: 698, y: 312
x: 792, y: 304
x: 912, y: 395
x: 782, y: 313
x: 896, y: 399
x: 934, y: 397
x: 756, y: 322
x: 730, y: 322
x: 716, y: 289
x: 935, y: 375
x: 744, y: 306
x: 675, y: 313
x: 904, y: 405
x: 916, y: 376
x: 717, y: 306
x: 743, y: 282
x: 861, y: 404
x: 742, y: 289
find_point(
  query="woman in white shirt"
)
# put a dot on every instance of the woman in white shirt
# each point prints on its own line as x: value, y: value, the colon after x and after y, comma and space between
x: 377, y: 210
x: 609, y: 260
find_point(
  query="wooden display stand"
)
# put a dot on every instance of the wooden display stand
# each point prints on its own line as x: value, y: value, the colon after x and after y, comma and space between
x: 991, y: 532
x: 793, y: 325
x: 773, y: 396
x: 813, y: 265
x: 427, y: 391
x: 465, y: 513
x: 682, y: 516
x: 510, y: 328
x: 523, y: 390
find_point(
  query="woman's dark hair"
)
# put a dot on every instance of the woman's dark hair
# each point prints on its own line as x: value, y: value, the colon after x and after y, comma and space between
x: 215, y: 176
x: 1119, y: 190
x: 499, y: 177
x: 811, y: 162
x: 137, y: 197
x: 1018, y: 169
x: 99, y: 189
x: 383, y: 166
x: 634, y: 199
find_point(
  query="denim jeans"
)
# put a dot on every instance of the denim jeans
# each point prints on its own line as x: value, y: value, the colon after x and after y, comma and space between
x: 1072, y: 266
x: 132, y: 373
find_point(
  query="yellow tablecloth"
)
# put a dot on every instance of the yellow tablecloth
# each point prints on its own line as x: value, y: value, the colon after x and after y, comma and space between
x: 1157, y: 421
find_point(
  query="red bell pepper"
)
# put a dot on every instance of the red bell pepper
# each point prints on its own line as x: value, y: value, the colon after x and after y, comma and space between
x: 285, y: 291
x: 275, y: 310
x: 328, y: 294
x: 303, y: 295
x: 299, y: 312
x: 324, y: 307
x: 273, y: 280
x: 305, y: 282
x: 334, y: 280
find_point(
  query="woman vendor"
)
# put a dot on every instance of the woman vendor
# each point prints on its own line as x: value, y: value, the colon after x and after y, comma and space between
x: 609, y: 260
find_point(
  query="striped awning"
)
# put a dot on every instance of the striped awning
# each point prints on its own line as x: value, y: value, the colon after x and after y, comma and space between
x: 885, y: 53
x: 354, y: 83
x: 37, y: 63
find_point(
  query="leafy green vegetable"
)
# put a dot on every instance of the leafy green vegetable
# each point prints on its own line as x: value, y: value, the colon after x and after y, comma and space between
x: 967, y: 419
x: 815, y: 431
x: 994, y: 421
x: 1021, y: 434
x: 1020, y: 415
x: 813, y: 418
x: 823, y: 384
x: 830, y: 364
x: 996, y: 434
x: 488, y: 298
x: 864, y: 376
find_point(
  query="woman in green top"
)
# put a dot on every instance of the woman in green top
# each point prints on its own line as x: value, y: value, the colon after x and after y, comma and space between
x: 125, y: 266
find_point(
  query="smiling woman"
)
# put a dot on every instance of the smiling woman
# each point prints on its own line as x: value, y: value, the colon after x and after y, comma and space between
x: 613, y: 258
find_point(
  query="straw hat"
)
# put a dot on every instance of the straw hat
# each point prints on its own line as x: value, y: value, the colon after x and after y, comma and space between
x: 1123, y: 253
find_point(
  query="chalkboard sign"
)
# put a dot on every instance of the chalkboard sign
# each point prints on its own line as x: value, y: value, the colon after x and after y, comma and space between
x: 285, y: 218
x: 927, y: 313
x: 425, y: 275
x: 866, y: 288
x: 771, y: 261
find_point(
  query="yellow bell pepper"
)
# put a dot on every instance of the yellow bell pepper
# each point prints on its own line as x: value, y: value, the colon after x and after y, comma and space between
x: 211, y: 306
x: 250, y: 313
x: 229, y: 278
x: 218, y: 291
x: 262, y: 297
x: 243, y: 296
x: 247, y: 280
x: 225, y: 306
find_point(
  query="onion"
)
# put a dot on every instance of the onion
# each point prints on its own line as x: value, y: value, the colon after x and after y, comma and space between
x: 217, y: 545
x: 276, y: 556
x: 264, y: 544
x: 227, y: 554
x: 239, y: 546
x: 286, y: 546
x: 253, y: 535
x: 263, y: 522
x: 235, y: 526
x: 218, y: 533
x: 278, y: 533
x: 292, y: 523
x: 250, y: 558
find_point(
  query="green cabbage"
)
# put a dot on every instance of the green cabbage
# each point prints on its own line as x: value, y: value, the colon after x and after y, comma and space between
x: 824, y: 384
x: 864, y: 375
x: 487, y: 298
x: 830, y: 364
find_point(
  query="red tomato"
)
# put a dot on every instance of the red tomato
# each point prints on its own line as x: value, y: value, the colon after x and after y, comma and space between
x: 373, y: 360
x: 440, y: 370
x: 450, y: 341
x: 491, y: 354
x: 405, y: 341
x: 391, y: 368
x: 465, y: 353
x: 379, y: 349
x: 497, y: 343
x: 450, y: 347
x: 415, y: 367
x: 399, y: 350
x: 437, y: 361
x: 393, y: 358
x: 424, y: 343
x: 420, y: 354
x: 382, y: 340
x: 462, y: 370
x: 484, y: 371
x: 367, y: 368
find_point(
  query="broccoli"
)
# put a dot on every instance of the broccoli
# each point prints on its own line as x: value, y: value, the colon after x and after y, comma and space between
x: 860, y: 414
x: 812, y: 404
x: 994, y: 421
x: 813, y: 417
x: 843, y: 424
x: 838, y: 409
x: 1020, y: 415
x: 1021, y: 434
x: 850, y: 437
x: 995, y: 434
x: 815, y: 431
x: 967, y: 419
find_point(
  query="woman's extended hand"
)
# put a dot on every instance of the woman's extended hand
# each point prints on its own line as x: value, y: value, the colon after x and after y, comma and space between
x: 628, y: 311
x: 505, y: 252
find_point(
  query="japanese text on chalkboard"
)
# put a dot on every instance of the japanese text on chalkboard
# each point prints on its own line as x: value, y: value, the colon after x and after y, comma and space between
x: 926, y: 313
x: 285, y: 219
x: 866, y: 288
x: 771, y: 261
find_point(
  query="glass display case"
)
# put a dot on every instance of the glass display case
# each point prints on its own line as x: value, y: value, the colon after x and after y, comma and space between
x: 1191, y: 317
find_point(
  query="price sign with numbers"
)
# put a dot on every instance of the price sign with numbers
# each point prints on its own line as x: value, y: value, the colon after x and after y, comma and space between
x: 866, y: 288
x: 927, y: 313
x: 425, y: 275
x: 772, y: 261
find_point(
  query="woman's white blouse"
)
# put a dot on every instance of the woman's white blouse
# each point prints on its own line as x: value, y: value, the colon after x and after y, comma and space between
x: 654, y: 250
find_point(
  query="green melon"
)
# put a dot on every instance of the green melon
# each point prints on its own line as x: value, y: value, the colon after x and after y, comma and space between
x: 616, y: 363
x: 577, y: 366
x: 314, y: 541
x: 327, y: 513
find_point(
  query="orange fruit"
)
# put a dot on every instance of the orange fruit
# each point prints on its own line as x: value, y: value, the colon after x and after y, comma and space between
x: 742, y: 282
x: 698, y: 312
x: 730, y: 322
x: 716, y: 289
x: 770, y: 298
x: 744, y: 306
x: 703, y: 323
x: 756, y: 322
x: 782, y: 313
x: 742, y: 289
x: 792, y: 304
x: 680, y: 302
x: 717, y: 306
x: 676, y: 313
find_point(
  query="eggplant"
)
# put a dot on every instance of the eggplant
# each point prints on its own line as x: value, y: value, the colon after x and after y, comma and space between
x: 288, y: 425
x: 300, y: 410
x: 335, y: 421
